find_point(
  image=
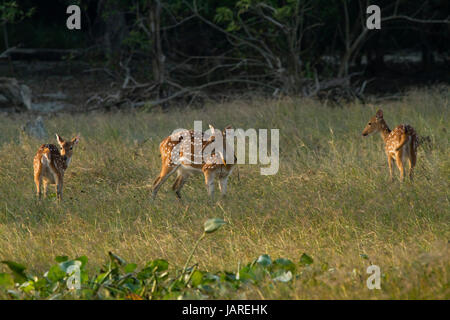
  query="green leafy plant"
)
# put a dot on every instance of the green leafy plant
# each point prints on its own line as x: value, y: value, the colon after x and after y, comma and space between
x: 119, y: 279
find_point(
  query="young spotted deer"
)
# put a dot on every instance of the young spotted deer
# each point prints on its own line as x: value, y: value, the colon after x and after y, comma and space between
x: 50, y: 164
x: 399, y: 144
x: 177, y: 155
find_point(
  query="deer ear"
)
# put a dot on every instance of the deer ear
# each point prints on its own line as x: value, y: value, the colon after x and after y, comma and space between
x: 222, y: 157
x: 59, y: 139
x: 75, y: 140
x: 211, y: 137
x: 379, y: 114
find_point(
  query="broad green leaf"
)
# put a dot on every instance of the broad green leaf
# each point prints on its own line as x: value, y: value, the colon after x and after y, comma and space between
x: 14, y: 266
x: 55, y: 273
x: 84, y: 277
x: 18, y: 271
x: 364, y: 256
x: 133, y: 287
x: 254, y: 273
x: 213, y: 224
x: 60, y: 259
x: 27, y: 286
x: 84, y: 261
x: 158, y: 265
x: 196, y: 278
x: 101, y: 277
x: 264, y: 260
x: 6, y: 281
x: 40, y: 284
x: 284, y: 264
x: 130, y: 267
x: 306, y: 260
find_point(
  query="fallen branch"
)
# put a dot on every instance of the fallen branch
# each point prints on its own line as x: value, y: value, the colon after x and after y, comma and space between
x: 41, y: 54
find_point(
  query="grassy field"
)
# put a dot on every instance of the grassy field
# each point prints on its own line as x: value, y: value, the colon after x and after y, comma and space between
x: 330, y: 199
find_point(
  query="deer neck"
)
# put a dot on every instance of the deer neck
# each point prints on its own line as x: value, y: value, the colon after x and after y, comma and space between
x: 67, y: 160
x: 384, y: 130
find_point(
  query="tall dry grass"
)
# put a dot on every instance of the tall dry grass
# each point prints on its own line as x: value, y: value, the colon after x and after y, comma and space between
x: 331, y: 198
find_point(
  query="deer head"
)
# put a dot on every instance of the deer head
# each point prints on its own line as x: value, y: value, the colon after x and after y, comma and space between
x: 67, y: 146
x: 223, y: 134
x: 374, y: 124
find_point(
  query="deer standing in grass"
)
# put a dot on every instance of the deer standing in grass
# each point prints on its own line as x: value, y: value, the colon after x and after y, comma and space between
x: 176, y: 157
x: 399, y: 144
x: 50, y: 164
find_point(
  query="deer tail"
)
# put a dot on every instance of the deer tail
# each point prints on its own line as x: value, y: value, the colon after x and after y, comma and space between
x: 46, y: 156
x: 403, y: 142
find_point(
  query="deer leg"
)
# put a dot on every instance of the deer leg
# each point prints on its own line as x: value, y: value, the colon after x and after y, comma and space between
x: 398, y: 160
x: 223, y: 185
x: 209, y: 181
x: 38, y: 181
x: 179, y: 183
x: 37, y: 177
x: 412, y: 162
x: 166, y: 172
x: 390, y: 160
x: 59, y: 188
x: 45, y: 188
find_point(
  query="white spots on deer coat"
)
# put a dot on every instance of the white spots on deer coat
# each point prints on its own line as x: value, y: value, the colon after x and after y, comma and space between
x: 182, y: 151
x: 50, y: 163
x: 400, y: 144
x: 395, y: 137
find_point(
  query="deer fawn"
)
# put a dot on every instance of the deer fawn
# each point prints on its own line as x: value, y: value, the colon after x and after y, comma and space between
x: 177, y: 159
x: 50, y: 164
x: 399, y: 144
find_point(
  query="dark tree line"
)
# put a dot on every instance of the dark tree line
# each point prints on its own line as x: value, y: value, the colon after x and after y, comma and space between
x: 178, y: 47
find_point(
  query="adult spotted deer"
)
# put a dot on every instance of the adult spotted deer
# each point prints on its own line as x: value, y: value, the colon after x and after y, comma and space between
x: 50, y: 164
x: 183, y: 152
x: 399, y: 144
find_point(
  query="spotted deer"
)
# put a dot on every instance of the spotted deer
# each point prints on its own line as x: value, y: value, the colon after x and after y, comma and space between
x: 50, y: 164
x: 399, y: 144
x: 178, y: 158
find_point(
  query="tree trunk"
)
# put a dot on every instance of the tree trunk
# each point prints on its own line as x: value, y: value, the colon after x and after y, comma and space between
x: 115, y: 28
x: 158, y: 58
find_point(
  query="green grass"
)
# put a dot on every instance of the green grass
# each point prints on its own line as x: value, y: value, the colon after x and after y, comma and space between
x: 330, y: 199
